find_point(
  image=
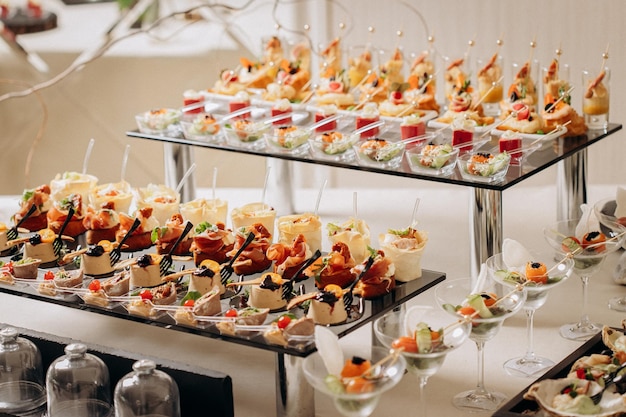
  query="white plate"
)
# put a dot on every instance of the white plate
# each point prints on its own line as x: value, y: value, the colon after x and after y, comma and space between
x: 478, y: 129
x: 551, y: 135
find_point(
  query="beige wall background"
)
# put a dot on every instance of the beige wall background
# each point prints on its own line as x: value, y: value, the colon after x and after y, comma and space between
x: 145, y: 72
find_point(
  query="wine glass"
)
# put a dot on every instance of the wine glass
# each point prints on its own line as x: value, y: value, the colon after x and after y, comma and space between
x: 397, y: 328
x: 588, y: 258
x: 461, y: 300
x: 356, y: 404
x: 558, y: 270
x: 611, y: 225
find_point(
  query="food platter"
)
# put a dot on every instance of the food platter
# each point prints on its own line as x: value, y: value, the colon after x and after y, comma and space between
x: 362, y: 313
x: 534, y: 136
x: 519, y: 406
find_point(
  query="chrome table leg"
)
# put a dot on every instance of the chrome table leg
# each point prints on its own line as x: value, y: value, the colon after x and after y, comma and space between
x: 295, y: 397
x: 485, y: 227
x: 571, y: 186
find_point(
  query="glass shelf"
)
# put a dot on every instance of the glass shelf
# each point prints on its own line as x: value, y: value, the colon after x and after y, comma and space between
x: 549, y: 153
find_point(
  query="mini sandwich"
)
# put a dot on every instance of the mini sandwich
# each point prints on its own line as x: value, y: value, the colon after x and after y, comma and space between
x: 355, y: 233
x: 59, y: 212
x: 141, y: 238
x: 379, y: 280
x: 101, y: 224
x: 165, y: 236
x: 253, y: 259
x: 211, y: 242
x: 40, y: 198
x: 288, y: 258
x: 333, y: 268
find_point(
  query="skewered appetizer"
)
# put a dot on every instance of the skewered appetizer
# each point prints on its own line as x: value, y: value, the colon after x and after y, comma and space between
x: 163, y: 200
x: 201, y: 210
x: 253, y: 259
x: 288, y: 258
x: 558, y: 112
x: 359, y: 67
x: 355, y: 233
x: 332, y: 62
x: 404, y: 248
x: 229, y: 82
x: 40, y: 246
x: 463, y: 105
x: 268, y: 293
x: 525, y: 120
x: 326, y: 305
x: 392, y: 70
x: 307, y: 224
x: 596, y: 96
x: 489, y: 84
x: 206, y: 277
x: 101, y: 224
x: 522, y: 89
x: 164, y: 237
x: 454, y: 77
x: 422, y: 83
x: 333, y: 268
x: 40, y: 198
x: 211, y: 242
x: 141, y: 237
x: 60, y: 211
x: 334, y: 91
x: 96, y: 260
x: 379, y: 280
x: 144, y: 272
x: 116, y: 196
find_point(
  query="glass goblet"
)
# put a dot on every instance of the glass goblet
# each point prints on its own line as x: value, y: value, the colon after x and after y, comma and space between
x: 356, y: 404
x: 530, y: 365
x: 393, y: 326
x: 588, y: 259
x: 612, y: 226
x: 459, y: 299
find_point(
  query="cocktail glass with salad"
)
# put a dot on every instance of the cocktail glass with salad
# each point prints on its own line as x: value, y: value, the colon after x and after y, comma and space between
x: 588, y: 244
x: 424, y: 335
x: 538, y: 273
x: 487, y: 312
x: 355, y: 377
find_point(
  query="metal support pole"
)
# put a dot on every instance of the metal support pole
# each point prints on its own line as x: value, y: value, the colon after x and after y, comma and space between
x: 177, y: 160
x: 571, y: 186
x: 485, y: 227
x: 295, y: 397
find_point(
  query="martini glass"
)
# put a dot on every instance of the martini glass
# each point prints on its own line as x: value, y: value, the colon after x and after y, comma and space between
x: 612, y: 226
x: 587, y: 261
x: 454, y: 294
x: 530, y: 365
x: 360, y: 404
x: 395, y: 325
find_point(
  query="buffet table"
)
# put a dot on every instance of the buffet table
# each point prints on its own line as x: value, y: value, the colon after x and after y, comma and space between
x: 250, y: 367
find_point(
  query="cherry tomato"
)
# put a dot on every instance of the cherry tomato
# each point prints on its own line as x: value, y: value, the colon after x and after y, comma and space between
x: 145, y: 295
x: 189, y: 303
x: 94, y: 285
x: 9, y: 267
x: 231, y: 313
x: 283, y: 321
x: 48, y: 276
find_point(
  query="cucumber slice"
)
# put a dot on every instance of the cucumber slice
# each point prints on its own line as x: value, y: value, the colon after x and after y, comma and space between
x: 477, y: 302
x: 422, y: 337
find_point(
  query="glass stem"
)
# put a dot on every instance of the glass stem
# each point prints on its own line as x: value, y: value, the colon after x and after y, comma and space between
x: 480, y: 383
x: 584, y: 318
x: 421, y: 398
x: 530, y: 334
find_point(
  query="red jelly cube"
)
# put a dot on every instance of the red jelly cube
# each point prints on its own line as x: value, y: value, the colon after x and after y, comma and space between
x: 286, y: 121
x: 511, y: 145
x: 364, y: 121
x: 326, y: 127
x: 460, y: 137
x: 411, y: 131
x: 238, y: 105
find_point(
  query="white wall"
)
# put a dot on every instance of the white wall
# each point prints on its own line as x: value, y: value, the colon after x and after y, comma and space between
x: 142, y: 73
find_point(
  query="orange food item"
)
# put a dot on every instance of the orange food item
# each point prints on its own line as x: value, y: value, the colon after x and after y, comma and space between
x: 537, y: 272
x: 406, y: 343
x: 593, y: 240
x: 466, y: 311
x: 359, y: 385
x: 355, y: 366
